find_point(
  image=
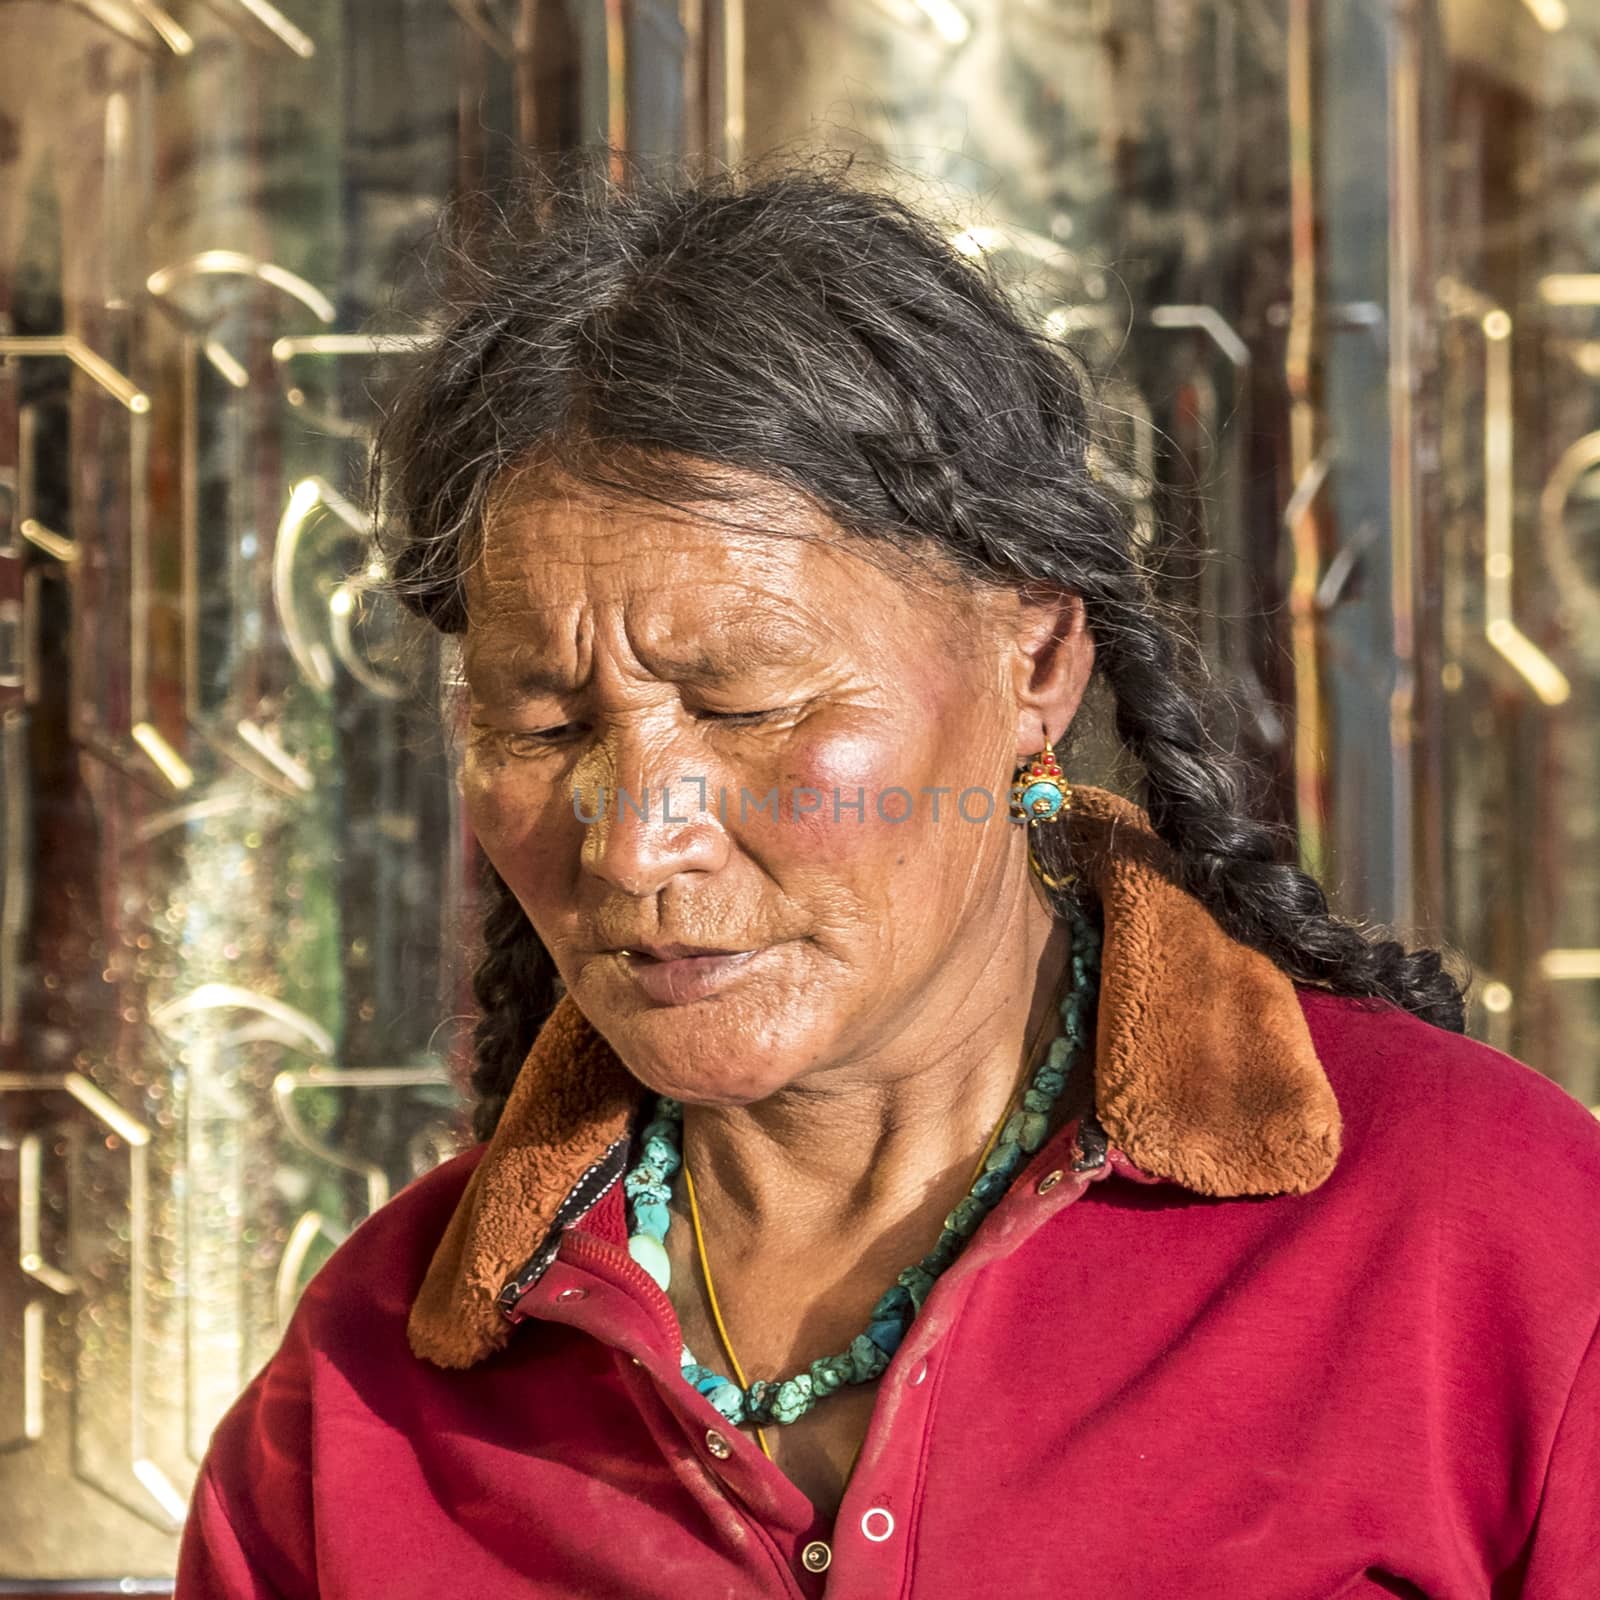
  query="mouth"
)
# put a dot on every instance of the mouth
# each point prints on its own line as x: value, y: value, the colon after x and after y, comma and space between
x: 679, y: 952
x: 679, y: 974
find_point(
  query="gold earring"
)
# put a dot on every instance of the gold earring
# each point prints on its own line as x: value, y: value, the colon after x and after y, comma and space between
x: 1041, y: 794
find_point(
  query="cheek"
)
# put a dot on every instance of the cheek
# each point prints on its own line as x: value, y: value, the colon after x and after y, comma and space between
x: 525, y: 825
x: 496, y: 803
x: 843, y: 770
x: 901, y: 829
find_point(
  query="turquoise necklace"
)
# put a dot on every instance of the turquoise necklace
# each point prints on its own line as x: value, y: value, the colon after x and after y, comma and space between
x: 648, y: 1188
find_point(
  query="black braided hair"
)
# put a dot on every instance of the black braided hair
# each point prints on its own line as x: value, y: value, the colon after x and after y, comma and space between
x: 799, y: 324
x: 516, y: 987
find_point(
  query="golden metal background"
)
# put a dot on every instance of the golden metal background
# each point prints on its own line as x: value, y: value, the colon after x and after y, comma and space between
x: 1338, y: 266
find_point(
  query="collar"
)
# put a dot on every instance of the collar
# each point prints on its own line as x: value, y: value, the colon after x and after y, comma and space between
x: 1205, y: 1076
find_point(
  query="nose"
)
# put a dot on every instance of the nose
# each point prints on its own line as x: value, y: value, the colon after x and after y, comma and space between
x: 648, y: 815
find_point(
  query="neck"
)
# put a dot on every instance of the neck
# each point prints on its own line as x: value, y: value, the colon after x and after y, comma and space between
x: 863, y: 1149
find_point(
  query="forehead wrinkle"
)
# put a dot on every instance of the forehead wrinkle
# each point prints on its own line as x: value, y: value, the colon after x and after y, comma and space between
x: 742, y: 597
x: 753, y: 627
x: 560, y: 647
x: 503, y: 658
x: 676, y: 597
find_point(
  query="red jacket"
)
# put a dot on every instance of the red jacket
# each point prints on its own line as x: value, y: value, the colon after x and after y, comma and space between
x: 1320, y: 1323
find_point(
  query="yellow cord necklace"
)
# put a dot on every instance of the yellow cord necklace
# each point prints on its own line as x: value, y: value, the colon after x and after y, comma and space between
x: 705, y: 1264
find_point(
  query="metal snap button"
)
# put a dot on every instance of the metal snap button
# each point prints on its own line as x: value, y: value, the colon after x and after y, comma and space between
x: 1050, y: 1180
x: 816, y: 1556
x: 917, y: 1376
x: 572, y: 1294
x: 717, y: 1445
x: 877, y: 1524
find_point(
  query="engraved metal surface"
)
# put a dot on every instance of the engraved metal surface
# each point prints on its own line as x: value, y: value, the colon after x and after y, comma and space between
x: 232, y: 918
x: 1332, y: 266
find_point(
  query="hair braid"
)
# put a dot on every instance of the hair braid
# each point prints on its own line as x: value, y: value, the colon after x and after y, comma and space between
x: 516, y: 988
x: 1195, y: 796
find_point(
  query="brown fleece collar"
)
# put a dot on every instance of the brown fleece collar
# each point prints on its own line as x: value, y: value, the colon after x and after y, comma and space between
x: 1205, y: 1075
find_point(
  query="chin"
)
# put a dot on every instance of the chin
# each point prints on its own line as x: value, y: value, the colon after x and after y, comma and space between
x: 731, y: 1051
x: 701, y: 1077
x: 690, y: 1083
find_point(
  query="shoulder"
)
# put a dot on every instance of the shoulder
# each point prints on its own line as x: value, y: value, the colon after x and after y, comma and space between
x: 1499, y: 1161
x: 342, y: 1360
x: 1398, y: 1078
x: 352, y: 1314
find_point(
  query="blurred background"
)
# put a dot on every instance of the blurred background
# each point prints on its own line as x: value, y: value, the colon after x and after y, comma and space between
x: 1340, y: 267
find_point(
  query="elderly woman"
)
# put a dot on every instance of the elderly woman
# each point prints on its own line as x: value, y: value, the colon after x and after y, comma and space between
x: 904, y: 1171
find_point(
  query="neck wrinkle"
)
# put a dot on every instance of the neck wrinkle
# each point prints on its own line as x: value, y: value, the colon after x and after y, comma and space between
x: 776, y: 1171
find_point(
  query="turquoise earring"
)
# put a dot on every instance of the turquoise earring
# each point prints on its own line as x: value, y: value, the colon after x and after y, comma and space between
x: 1041, y: 794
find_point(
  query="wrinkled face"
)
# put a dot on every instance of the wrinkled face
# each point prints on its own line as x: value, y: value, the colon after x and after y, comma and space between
x: 701, y: 760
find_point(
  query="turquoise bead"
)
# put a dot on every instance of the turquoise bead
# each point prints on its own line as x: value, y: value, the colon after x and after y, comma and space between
x: 1004, y: 1158
x: 793, y: 1399
x: 660, y: 1153
x: 648, y: 1189
x: 887, y: 1334
x: 867, y: 1361
x: 826, y: 1376
x: 758, y: 1405
x: 651, y: 1254
x: 917, y: 1281
x: 966, y: 1217
x: 1045, y: 793
x: 991, y: 1186
x: 728, y: 1398
x: 896, y: 1303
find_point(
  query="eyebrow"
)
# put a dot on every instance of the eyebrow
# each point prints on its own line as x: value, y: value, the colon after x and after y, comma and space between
x: 737, y: 650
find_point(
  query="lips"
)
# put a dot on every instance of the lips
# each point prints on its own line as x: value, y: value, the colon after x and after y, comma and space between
x: 682, y: 952
x: 679, y: 974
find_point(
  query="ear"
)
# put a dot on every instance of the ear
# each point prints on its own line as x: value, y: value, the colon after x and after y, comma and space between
x: 1052, y: 661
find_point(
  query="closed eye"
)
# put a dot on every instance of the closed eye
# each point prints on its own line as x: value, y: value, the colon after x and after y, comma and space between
x: 737, y: 717
x: 528, y: 742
